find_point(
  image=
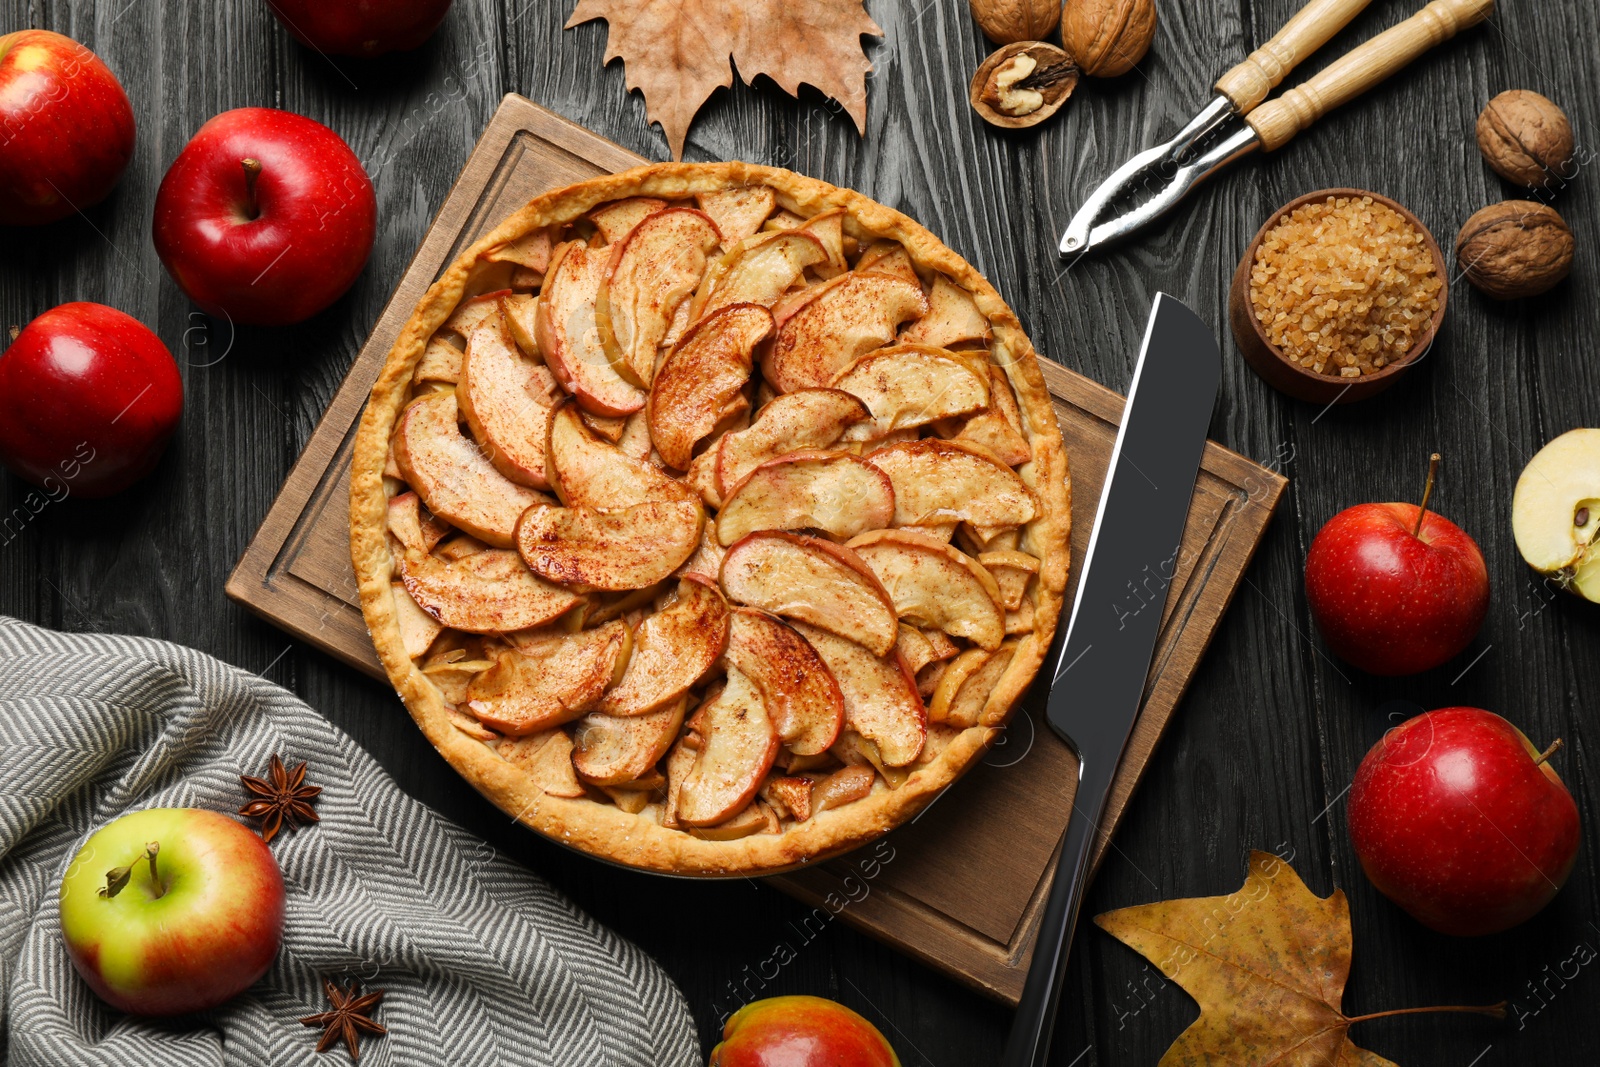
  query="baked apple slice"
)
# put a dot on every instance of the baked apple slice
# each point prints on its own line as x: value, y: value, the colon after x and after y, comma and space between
x: 629, y: 548
x: 905, y: 386
x: 758, y: 271
x: 1012, y: 571
x: 953, y: 318
x: 921, y: 647
x: 418, y: 629
x: 934, y: 584
x: 963, y: 692
x: 506, y: 401
x: 415, y: 529
x: 814, y: 581
x: 522, y: 315
x: 618, y: 218
x: 840, y: 320
x: 550, y: 680
x: 793, y: 422
x: 738, y: 212
x: 888, y: 257
x: 440, y: 362
x: 587, y: 471
x: 938, y: 482
x: 487, y: 592
x: 650, y: 273
x: 473, y: 310
x: 614, y: 749
x: 880, y: 694
x: 835, y: 492
x: 701, y: 376
x: 531, y: 250
x: 828, y: 227
x: 453, y: 476
x: 802, y: 698
x: 673, y: 649
x: 547, y: 759
x: 737, y: 748
x: 568, y: 337
x: 997, y: 430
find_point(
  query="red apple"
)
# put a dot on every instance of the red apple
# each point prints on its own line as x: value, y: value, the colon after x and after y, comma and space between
x: 800, y: 1032
x: 265, y: 217
x: 192, y: 926
x: 360, y: 27
x: 66, y: 128
x: 1395, y: 588
x: 1460, y: 820
x: 88, y: 398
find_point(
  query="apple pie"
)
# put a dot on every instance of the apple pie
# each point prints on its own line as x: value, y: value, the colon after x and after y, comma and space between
x: 709, y: 518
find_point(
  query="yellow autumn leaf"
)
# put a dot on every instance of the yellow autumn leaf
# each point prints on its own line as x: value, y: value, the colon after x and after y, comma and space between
x: 1267, y: 966
x: 676, y: 52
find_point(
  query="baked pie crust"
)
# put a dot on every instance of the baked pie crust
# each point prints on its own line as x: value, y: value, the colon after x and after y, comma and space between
x: 958, y: 522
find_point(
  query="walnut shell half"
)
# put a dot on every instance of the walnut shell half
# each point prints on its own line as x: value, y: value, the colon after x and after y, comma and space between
x: 1107, y: 37
x: 1022, y: 84
x: 1526, y: 139
x: 1515, y: 249
x: 1008, y: 21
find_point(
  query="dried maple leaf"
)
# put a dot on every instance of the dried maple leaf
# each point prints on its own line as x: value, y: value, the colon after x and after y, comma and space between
x: 676, y: 52
x: 1266, y: 964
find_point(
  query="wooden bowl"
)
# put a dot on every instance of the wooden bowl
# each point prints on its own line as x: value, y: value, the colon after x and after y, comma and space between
x: 1288, y: 377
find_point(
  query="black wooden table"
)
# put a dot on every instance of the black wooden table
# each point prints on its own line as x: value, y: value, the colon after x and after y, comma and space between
x: 1265, y: 745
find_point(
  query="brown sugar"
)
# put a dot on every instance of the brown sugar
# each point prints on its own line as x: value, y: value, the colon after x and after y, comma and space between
x: 1344, y: 286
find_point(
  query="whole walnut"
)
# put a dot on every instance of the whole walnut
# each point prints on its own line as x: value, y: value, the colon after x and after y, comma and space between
x: 1107, y: 37
x: 1515, y: 249
x: 1526, y: 139
x: 1010, y: 21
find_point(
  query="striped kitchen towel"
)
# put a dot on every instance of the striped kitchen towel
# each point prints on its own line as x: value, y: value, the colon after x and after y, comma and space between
x: 483, y: 962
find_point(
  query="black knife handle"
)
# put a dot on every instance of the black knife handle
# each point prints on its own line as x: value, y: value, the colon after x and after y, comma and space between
x: 1029, y: 1043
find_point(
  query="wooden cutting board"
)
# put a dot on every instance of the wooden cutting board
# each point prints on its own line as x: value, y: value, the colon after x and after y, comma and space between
x: 961, y: 887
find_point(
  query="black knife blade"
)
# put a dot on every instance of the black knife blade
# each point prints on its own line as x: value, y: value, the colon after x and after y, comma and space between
x: 1098, y: 677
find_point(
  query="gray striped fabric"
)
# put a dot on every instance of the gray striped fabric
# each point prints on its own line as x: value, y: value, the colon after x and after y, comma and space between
x: 483, y: 962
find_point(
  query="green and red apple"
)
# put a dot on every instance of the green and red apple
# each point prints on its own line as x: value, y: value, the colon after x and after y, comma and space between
x: 172, y: 910
x: 799, y: 1031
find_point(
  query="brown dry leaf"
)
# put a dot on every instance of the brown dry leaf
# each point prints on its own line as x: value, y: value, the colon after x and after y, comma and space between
x: 676, y: 51
x: 1267, y: 965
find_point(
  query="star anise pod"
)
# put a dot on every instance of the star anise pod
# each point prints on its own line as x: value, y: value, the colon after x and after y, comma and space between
x: 348, y: 1019
x: 284, y: 799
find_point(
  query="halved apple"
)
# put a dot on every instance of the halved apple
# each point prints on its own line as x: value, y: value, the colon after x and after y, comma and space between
x: 835, y: 492
x: 738, y: 212
x: 880, y: 694
x: 843, y: 319
x: 618, y: 218
x: 736, y: 752
x: 701, y: 376
x: 440, y: 362
x: 506, y: 400
x: 757, y: 271
x: 906, y: 386
x: 531, y: 250
x: 418, y: 629
x: 567, y: 335
x: 587, y: 471
x: 628, y: 548
x: 491, y: 591
x: 802, y: 698
x: 793, y: 422
x: 453, y: 476
x: 814, y: 581
x: 888, y: 257
x: 1011, y: 570
x: 547, y: 759
x: 997, y: 430
x: 613, y: 749
x: 473, y: 310
x: 1555, y: 512
x: 937, y: 482
x: 964, y: 690
x: 649, y: 274
x: 953, y: 318
x: 673, y: 649
x: 935, y: 584
x: 550, y: 680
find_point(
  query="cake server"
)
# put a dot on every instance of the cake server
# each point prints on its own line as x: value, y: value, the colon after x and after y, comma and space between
x: 1100, y: 664
x: 1237, y: 123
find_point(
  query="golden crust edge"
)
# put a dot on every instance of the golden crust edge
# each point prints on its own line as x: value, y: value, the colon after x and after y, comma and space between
x: 598, y: 828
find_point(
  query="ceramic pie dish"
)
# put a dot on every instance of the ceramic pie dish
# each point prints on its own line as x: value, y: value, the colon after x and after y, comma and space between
x: 710, y: 519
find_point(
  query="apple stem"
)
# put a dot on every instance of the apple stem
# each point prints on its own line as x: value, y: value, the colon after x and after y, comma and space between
x: 1494, y: 1011
x: 252, y: 171
x: 118, y: 877
x: 1427, y: 492
x: 1555, y: 746
x: 150, y: 850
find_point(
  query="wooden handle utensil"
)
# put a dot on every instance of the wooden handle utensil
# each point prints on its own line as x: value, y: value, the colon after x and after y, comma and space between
x: 1277, y: 121
x: 1264, y: 69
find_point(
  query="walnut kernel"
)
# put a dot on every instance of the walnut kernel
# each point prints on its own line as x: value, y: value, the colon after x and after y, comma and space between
x: 1107, y: 37
x: 1526, y: 139
x: 1516, y: 249
x: 1023, y: 84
